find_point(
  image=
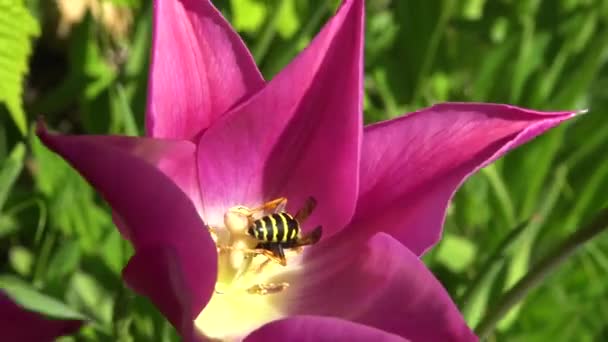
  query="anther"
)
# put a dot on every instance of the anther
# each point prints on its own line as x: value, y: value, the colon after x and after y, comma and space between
x: 265, y: 289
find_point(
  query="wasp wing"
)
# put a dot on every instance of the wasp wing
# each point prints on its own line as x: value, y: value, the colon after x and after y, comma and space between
x: 310, y: 238
x: 306, y: 210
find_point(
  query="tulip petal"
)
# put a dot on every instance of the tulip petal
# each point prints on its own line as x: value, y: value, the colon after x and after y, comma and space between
x: 174, y: 158
x: 200, y: 68
x: 315, y: 328
x: 155, y: 211
x: 156, y: 273
x: 376, y: 282
x: 297, y: 137
x: 411, y: 166
x: 19, y: 324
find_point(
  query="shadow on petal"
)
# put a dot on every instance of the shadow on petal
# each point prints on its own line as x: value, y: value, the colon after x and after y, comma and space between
x: 376, y: 282
x: 297, y: 137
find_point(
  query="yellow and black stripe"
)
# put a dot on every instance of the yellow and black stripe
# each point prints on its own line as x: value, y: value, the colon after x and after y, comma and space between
x: 275, y: 228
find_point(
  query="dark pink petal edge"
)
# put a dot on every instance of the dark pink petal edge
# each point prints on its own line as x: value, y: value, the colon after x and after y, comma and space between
x: 317, y: 328
x: 411, y: 166
x: 376, y: 282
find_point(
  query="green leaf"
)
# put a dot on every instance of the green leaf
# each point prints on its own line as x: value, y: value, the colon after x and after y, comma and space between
x: 521, y: 256
x: 30, y: 298
x: 92, y: 296
x: 122, y: 115
x: 115, y: 251
x: 248, y: 15
x: 17, y: 28
x: 64, y: 261
x: 21, y: 260
x: 476, y: 296
x: 501, y: 192
x: 477, y: 301
x: 9, y: 171
x: 129, y: 3
x: 491, y: 65
x: 71, y: 199
x: 288, y: 21
x: 455, y: 252
x: 473, y: 9
x: 122, y: 316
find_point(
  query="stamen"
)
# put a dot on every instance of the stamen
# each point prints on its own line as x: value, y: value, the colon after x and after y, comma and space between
x: 240, y: 270
x: 264, y: 289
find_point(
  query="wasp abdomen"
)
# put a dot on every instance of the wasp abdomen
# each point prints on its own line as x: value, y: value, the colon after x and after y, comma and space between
x: 277, y: 228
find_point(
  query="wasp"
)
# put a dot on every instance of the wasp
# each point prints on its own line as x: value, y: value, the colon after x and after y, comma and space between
x: 279, y: 230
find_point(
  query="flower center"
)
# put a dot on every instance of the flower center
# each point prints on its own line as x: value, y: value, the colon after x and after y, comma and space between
x: 251, y: 287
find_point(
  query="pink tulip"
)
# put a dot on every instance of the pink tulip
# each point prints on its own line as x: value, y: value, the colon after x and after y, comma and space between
x: 220, y: 136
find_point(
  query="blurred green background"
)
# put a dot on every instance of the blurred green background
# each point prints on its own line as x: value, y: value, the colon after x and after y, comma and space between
x: 83, y: 64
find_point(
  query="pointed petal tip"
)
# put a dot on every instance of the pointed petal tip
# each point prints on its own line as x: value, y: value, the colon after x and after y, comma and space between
x: 41, y: 129
x: 215, y: 69
x: 440, y: 147
x: 323, y: 84
x: 479, y: 106
x: 42, y: 132
x: 581, y: 111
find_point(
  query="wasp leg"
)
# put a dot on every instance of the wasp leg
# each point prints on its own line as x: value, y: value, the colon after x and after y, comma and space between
x: 263, y: 265
x: 306, y: 210
x: 278, y: 258
x: 255, y: 251
x: 274, y: 252
x: 244, y: 267
x: 264, y: 289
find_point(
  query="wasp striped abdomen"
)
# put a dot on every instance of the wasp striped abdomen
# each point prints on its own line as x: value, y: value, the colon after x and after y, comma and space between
x: 275, y: 228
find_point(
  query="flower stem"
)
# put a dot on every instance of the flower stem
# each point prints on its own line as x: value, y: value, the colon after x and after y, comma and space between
x: 539, y: 271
